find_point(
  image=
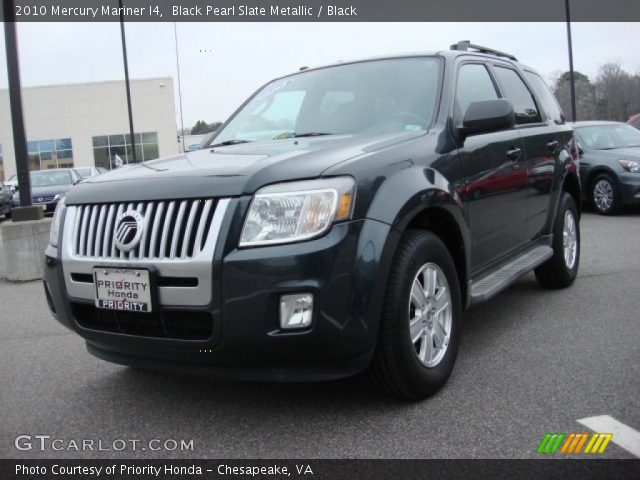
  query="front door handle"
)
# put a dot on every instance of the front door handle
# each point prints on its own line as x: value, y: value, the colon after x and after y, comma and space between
x: 514, y: 153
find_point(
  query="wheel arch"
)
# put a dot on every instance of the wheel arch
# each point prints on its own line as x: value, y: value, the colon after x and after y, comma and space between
x: 571, y: 185
x: 423, y: 198
x: 441, y: 222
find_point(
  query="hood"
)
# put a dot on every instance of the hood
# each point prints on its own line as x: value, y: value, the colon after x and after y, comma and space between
x: 230, y: 170
x: 626, y: 153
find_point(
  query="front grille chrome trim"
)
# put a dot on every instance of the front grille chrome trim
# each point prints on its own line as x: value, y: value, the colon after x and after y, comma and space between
x: 88, y: 242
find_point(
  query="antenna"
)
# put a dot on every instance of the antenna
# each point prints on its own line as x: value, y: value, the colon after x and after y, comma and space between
x: 175, y: 34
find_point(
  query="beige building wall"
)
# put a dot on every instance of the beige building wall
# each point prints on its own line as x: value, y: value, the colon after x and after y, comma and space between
x: 82, y: 111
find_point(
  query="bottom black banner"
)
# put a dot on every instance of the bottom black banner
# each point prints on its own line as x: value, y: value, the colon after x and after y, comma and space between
x: 583, y: 469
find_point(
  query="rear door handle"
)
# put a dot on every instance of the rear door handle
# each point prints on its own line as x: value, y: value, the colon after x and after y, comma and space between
x: 553, y: 146
x: 514, y: 153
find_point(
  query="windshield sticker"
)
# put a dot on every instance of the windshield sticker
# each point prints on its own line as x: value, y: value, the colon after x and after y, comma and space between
x: 270, y: 90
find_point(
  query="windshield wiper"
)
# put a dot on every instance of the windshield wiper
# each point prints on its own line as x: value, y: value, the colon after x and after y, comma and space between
x: 228, y: 142
x: 311, y: 134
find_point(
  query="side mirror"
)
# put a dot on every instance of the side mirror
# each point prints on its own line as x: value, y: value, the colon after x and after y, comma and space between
x: 488, y: 116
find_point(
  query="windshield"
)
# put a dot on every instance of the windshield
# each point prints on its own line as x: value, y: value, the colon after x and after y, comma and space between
x: 609, y: 137
x: 84, y: 172
x: 46, y: 178
x: 369, y: 97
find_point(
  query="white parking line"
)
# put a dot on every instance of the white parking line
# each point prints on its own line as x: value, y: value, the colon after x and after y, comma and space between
x: 623, y: 436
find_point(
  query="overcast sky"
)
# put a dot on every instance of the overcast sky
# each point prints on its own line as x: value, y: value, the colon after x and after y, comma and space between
x: 222, y: 63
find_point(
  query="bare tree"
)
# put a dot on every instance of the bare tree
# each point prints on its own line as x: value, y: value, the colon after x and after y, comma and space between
x: 615, y: 91
x: 585, y: 95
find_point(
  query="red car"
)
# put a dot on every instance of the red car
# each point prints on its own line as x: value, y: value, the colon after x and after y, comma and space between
x: 634, y: 121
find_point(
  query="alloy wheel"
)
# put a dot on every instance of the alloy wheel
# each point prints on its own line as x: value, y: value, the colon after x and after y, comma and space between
x: 569, y: 239
x: 430, y: 314
x: 603, y: 195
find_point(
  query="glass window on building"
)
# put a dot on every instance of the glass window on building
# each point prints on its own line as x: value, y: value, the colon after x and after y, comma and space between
x: 107, y: 147
x: 46, y: 154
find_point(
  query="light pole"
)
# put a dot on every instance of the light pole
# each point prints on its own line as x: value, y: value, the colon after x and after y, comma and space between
x: 572, y: 85
x: 26, y: 211
x: 126, y: 80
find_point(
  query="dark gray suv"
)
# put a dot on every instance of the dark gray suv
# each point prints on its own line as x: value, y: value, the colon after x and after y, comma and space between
x: 341, y: 221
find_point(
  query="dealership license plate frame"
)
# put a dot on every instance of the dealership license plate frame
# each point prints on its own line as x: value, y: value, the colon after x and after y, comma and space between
x: 152, y: 276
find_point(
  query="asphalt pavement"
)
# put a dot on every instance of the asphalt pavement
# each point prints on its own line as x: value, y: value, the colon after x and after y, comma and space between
x: 532, y: 361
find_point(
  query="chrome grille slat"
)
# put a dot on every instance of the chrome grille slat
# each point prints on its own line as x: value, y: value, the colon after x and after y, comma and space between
x: 145, y: 232
x: 176, y: 229
x: 113, y: 244
x: 83, y: 232
x: 173, y: 230
x: 99, y: 240
x: 157, y: 225
x: 165, y: 230
x: 201, y: 224
x: 187, y: 233
x: 92, y: 224
x: 106, y: 244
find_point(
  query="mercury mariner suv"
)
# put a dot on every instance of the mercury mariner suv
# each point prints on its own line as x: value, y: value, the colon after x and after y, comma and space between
x: 339, y: 222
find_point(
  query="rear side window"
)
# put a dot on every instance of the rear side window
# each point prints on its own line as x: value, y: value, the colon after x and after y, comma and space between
x: 549, y: 102
x: 474, y: 85
x: 517, y: 92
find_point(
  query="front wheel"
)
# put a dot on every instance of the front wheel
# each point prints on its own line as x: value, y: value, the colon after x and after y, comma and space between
x: 420, y: 325
x: 605, y: 195
x: 562, y: 268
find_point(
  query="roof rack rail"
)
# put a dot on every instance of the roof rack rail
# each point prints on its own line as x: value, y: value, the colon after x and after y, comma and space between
x: 465, y: 45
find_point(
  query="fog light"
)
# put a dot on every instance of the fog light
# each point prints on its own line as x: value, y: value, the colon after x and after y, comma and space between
x: 296, y: 310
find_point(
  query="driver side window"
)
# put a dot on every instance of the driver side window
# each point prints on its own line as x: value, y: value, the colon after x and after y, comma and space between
x: 474, y: 84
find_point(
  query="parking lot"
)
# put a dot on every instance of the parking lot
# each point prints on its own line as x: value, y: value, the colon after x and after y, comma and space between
x: 532, y: 361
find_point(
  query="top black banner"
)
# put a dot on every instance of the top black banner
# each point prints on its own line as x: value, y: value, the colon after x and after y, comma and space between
x: 319, y: 10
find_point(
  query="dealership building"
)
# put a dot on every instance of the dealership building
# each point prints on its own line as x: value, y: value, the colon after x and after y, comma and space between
x: 87, y: 124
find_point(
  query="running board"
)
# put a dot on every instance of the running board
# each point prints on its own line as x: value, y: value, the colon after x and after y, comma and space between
x: 497, y: 280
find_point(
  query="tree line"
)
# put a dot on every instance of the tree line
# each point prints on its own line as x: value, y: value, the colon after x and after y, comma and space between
x: 614, y: 93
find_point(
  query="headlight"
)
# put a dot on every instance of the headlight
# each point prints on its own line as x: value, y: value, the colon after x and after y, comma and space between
x: 294, y: 211
x: 630, y: 166
x: 55, y: 224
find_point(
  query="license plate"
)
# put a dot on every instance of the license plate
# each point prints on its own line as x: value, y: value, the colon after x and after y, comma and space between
x: 123, y: 289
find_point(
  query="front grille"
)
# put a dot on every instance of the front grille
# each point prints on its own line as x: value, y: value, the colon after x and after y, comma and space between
x: 175, y: 229
x: 179, y: 324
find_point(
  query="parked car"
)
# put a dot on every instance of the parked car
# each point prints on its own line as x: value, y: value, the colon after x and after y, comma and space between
x: 12, y: 183
x: 329, y: 228
x: 634, y: 121
x: 49, y: 186
x: 609, y: 164
x: 86, y: 172
x: 5, y: 200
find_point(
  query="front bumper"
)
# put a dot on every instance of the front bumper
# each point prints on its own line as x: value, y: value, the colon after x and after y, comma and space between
x: 345, y: 270
x: 629, y: 188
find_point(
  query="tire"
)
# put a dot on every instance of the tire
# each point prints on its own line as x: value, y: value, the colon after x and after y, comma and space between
x: 605, y: 194
x: 558, y: 271
x: 396, y: 368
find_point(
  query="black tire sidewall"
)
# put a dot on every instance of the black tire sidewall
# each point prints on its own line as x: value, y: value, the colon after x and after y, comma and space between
x: 429, y: 249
